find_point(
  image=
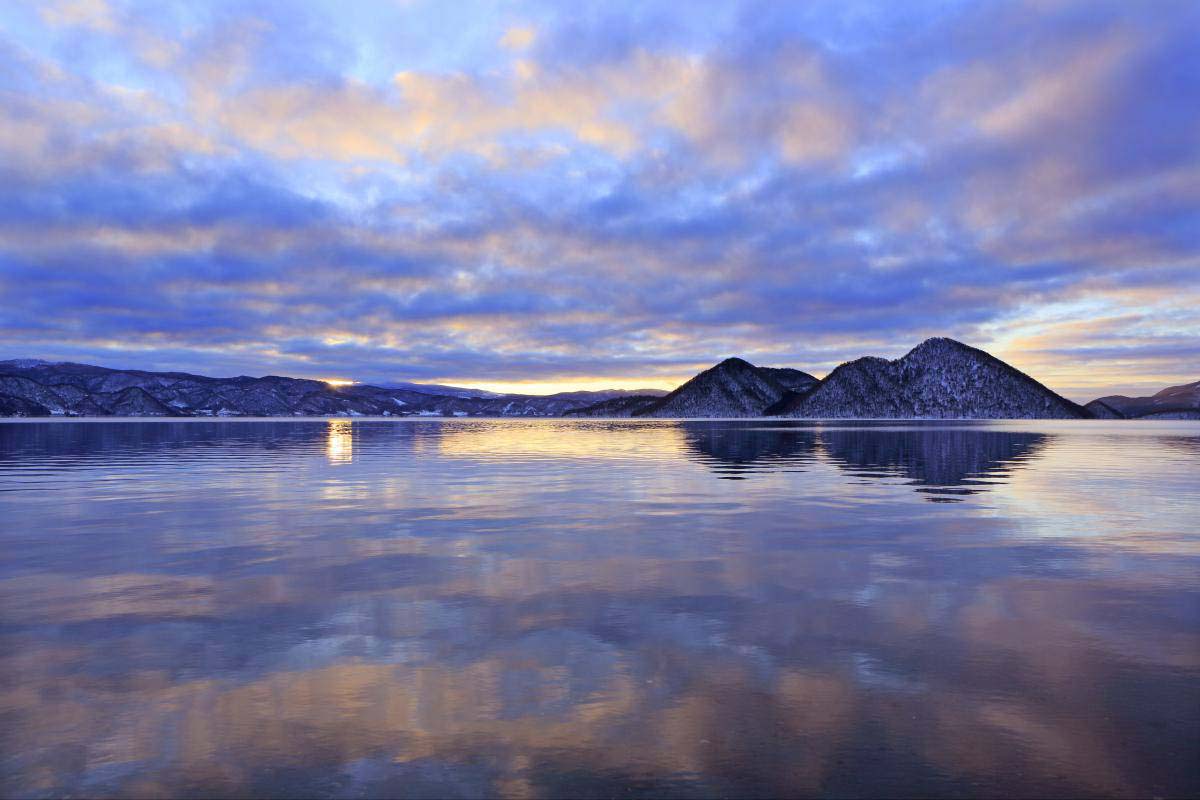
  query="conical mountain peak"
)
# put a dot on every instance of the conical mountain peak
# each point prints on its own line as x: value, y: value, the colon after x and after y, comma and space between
x: 733, y: 363
x: 938, y: 379
x: 732, y: 388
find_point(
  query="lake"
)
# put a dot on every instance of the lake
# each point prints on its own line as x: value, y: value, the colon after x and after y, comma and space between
x: 547, y: 608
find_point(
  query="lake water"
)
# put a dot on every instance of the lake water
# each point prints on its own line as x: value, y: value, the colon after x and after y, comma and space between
x: 587, y: 608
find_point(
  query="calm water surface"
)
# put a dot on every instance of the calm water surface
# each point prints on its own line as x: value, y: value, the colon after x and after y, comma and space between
x: 548, y: 608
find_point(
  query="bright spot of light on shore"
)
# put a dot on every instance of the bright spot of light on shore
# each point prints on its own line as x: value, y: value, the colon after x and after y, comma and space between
x: 338, y: 382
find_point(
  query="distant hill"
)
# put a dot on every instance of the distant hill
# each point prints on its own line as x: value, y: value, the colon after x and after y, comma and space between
x: 938, y: 379
x: 439, y: 389
x: 552, y: 405
x: 466, y: 391
x: 1101, y: 410
x: 31, y: 387
x: 1174, y: 402
x: 627, y: 406
x: 733, y: 388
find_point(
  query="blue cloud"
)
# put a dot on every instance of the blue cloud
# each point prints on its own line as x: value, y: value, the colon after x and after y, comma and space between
x: 417, y: 191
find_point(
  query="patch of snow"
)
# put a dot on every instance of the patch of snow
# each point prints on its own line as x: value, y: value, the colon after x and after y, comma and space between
x: 28, y: 363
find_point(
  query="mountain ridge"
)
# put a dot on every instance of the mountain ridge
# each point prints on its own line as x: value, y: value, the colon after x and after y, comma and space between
x: 1174, y: 402
x: 732, y: 388
x: 938, y: 379
x: 34, y: 387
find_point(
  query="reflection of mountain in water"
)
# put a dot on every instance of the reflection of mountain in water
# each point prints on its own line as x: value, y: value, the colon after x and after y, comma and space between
x: 733, y: 451
x: 944, y: 462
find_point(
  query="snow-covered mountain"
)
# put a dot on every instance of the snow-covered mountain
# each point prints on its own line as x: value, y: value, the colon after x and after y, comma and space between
x: 550, y: 405
x: 30, y: 387
x: 1174, y: 402
x: 733, y: 388
x: 1102, y: 410
x: 25, y: 363
x: 624, y: 406
x: 938, y: 379
x: 439, y: 389
x: 790, y: 378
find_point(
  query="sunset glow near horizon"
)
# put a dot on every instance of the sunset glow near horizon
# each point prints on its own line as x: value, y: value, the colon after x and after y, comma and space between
x: 541, y: 197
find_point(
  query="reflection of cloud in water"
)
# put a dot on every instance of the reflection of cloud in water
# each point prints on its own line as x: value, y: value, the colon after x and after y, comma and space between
x: 218, y: 628
x: 592, y: 690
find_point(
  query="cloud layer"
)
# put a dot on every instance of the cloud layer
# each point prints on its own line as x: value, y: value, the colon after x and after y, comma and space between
x: 491, y: 193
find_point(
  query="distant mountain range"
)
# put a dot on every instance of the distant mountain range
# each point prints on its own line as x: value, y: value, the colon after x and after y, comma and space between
x: 938, y: 379
x: 1174, y: 402
x: 38, y: 388
x: 437, y: 388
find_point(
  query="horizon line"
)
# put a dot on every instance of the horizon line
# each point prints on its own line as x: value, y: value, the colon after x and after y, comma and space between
x: 544, y: 388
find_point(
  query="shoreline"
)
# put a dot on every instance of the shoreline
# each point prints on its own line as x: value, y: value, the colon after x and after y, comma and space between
x: 787, y: 422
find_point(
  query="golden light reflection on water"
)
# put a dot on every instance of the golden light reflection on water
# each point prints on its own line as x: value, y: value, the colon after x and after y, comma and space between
x: 339, y: 441
x: 554, y: 439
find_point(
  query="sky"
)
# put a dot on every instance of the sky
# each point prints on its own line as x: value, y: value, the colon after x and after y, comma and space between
x: 543, y: 196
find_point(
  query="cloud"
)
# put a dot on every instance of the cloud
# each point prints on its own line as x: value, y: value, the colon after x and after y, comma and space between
x: 286, y: 192
x: 93, y: 14
x: 518, y: 38
x: 725, y: 111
